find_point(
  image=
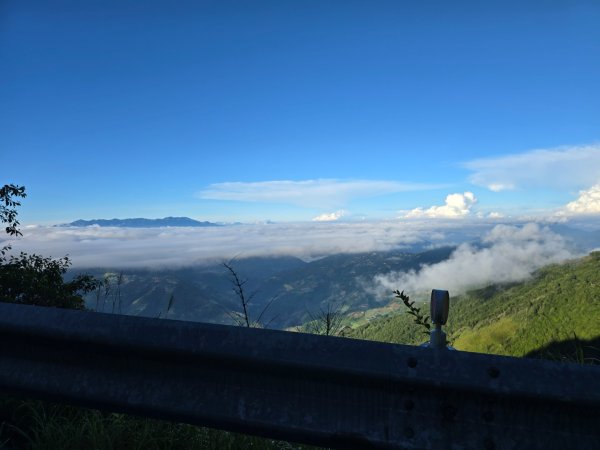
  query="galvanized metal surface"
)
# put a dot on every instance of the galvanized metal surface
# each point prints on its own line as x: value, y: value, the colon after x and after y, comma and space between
x: 334, y: 392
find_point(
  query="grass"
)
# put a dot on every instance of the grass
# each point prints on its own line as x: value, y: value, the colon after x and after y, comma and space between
x: 497, y: 339
x: 29, y: 424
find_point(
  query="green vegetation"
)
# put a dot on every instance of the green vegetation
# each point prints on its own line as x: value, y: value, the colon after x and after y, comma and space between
x: 9, y: 193
x: 34, y: 279
x: 419, y: 318
x: 37, y: 280
x: 560, y: 303
x: 397, y: 328
x: 45, y: 426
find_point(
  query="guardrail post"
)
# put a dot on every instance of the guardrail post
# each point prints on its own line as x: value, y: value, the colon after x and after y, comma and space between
x: 439, y: 308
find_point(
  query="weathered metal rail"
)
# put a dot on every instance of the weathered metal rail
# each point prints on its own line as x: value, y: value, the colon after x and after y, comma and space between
x: 327, y: 391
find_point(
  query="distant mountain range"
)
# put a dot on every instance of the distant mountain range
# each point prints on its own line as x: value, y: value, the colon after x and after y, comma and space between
x: 142, y: 223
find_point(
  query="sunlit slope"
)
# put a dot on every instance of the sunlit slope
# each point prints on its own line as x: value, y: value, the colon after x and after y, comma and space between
x: 559, y: 303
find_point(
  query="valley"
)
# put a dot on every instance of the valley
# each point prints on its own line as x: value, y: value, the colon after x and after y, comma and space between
x: 290, y: 288
x: 559, y: 302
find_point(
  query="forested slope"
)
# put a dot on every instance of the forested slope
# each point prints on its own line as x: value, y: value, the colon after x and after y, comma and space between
x: 560, y: 303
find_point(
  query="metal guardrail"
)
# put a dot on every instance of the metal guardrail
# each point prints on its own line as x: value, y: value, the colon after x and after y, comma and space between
x: 327, y: 391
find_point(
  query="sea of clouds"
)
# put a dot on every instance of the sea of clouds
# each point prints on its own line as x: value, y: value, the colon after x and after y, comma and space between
x: 486, y: 252
x: 96, y: 246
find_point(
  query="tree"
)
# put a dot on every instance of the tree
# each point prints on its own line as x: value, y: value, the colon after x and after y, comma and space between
x: 37, y: 280
x: 34, y: 279
x: 8, y: 212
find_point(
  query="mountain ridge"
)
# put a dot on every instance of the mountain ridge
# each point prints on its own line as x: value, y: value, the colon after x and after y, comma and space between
x: 140, y: 222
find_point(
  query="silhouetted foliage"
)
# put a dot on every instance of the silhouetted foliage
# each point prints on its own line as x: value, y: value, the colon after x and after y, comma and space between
x: 327, y: 322
x: 34, y: 279
x: 418, y: 317
x: 243, y: 318
x: 238, y: 288
x: 8, y: 212
x: 109, y: 290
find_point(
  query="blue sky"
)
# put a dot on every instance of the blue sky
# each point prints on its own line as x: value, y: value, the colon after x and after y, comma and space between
x: 295, y: 110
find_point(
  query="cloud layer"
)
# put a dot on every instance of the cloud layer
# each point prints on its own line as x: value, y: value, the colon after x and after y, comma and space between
x: 510, y: 253
x: 163, y: 247
x: 562, y: 168
x: 456, y: 205
x: 321, y: 193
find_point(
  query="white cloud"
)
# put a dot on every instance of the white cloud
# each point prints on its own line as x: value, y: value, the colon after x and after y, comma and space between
x: 173, y: 247
x: 497, y: 187
x: 510, y: 253
x: 495, y: 215
x: 331, y: 217
x: 561, y: 168
x: 309, y: 193
x: 588, y: 203
x: 456, y: 205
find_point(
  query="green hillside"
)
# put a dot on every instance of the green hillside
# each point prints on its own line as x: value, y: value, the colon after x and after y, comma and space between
x: 560, y: 303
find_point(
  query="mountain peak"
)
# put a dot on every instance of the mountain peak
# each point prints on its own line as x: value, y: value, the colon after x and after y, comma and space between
x: 140, y: 222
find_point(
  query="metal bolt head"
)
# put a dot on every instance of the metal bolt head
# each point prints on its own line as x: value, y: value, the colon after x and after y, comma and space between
x: 440, y: 306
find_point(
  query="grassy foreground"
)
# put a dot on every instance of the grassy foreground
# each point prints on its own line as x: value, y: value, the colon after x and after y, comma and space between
x: 45, y: 426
